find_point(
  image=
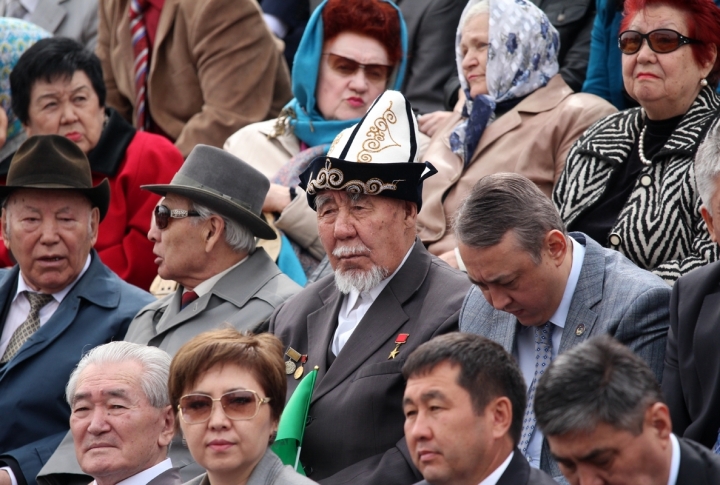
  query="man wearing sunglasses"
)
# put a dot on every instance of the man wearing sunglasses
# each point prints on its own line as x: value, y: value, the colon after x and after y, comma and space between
x: 121, y: 419
x: 57, y: 302
x: 204, y: 232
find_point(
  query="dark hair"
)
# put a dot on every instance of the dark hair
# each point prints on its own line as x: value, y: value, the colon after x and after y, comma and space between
x: 599, y: 381
x: 703, y: 19
x: 50, y: 60
x: 262, y: 355
x: 487, y: 371
x: 373, y: 18
x: 503, y: 202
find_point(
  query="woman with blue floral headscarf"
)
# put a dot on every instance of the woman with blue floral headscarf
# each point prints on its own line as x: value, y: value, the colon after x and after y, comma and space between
x: 517, y: 115
x: 351, y: 51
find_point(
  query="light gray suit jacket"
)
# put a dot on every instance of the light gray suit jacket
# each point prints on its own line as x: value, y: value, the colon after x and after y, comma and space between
x: 245, y: 298
x: 612, y: 296
x: 268, y: 471
x: 77, y: 19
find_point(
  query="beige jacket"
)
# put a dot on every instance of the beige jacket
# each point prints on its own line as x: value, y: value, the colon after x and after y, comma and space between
x: 533, y: 139
x: 214, y: 68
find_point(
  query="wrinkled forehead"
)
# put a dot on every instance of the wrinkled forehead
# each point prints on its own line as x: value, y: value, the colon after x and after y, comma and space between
x: 101, y: 381
x: 52, y: 199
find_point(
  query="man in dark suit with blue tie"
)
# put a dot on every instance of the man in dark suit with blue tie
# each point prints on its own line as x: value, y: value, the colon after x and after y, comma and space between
x: 540, y: 291
x: 57, y: 303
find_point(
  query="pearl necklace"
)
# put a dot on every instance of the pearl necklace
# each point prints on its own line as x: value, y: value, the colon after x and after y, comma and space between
x: 641, y: 148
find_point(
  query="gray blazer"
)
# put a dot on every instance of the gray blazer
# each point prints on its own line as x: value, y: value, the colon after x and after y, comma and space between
x: 612, y: 296
x: 268, y: 471
x: 245, y: 298
x: 77, y: 19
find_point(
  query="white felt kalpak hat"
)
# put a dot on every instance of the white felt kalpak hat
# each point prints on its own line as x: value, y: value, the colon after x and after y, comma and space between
x: 377, y: 156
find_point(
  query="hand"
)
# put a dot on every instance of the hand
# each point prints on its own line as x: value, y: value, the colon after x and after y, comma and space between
x: 450, y: 258
x: 430, y: 123
x: 4, y: 475
x: 277, y: 198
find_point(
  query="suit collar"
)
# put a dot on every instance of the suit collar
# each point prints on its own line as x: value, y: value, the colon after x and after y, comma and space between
x: 48, y: 14
x: 165, y: 24
x: 380, y: 324
x: 517, y: 472
x: 581, y: 317
x: 236, y: 287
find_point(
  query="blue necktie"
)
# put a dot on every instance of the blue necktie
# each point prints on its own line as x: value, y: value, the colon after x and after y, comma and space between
x: 716, y: 448
x: 543, y: 357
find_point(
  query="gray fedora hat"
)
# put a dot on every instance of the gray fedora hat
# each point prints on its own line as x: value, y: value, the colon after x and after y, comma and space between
x: 223, y: 183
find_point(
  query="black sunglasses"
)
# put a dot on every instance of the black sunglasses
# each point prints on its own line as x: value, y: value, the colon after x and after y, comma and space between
x: 163, y: 215
x: 376, y: 73
x: 661, y: 41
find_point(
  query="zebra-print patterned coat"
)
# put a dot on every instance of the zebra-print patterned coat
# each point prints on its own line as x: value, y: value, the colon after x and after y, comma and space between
x: 660, y: 227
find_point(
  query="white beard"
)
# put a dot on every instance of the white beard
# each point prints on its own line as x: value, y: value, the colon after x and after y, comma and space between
x: 354, y: 279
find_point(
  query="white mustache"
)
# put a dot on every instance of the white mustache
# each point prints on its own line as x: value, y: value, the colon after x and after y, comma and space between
x: 344, y: 251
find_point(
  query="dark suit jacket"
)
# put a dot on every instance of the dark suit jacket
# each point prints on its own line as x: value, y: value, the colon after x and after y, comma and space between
x: 612, y: 296
x: 519, y: 472
x: 355, y: 431
x: 698, y: 465
x: 33, y: 412
x: 691, y: 380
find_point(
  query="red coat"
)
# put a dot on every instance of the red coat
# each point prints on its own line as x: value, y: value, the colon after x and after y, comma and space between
x: 122, y: 240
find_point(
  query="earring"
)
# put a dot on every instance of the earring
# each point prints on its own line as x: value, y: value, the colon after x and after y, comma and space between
x: 703, y: 82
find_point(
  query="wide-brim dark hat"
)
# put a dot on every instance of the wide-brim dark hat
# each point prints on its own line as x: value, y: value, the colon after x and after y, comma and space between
x: 223, y: 183
x: 56, y: 163
x: 377, y: 156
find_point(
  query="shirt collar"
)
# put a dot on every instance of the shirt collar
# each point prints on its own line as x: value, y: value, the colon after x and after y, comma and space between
x: 58, y: 296
x: 145, y: 476
x: 373, y: 293
x: 208, y: 284
x: 675, y: 460
x: 578, y: 255
x: 493, y: 478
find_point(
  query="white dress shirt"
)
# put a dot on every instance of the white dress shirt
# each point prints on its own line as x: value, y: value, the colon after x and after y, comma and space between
x: 526, y: 341
x: 354, y: 307
x: 674, y: 461
x: 493, y: 478
x: 20, y: 307
x: 145, y: 476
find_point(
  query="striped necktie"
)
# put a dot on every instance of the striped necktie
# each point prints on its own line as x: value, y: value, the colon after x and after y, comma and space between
x: 141, y: 54
x: 543, y: 357
x: 29, y: 326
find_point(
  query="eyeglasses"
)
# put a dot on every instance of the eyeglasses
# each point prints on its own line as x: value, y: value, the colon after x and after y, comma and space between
x: 237, y: 406
x: 163, y: 215
x: 661, y: 41
x: 375, y: 73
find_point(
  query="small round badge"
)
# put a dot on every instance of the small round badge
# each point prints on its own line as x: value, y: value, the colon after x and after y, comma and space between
x: 580, y: 330
x: 289, y: 367
x: 299, y: 372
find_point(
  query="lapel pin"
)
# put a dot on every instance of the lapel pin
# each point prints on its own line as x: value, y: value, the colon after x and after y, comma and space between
x: 401, y: 339
x: 294, y: 357
x: 299, y: 371
x: 580, y: 330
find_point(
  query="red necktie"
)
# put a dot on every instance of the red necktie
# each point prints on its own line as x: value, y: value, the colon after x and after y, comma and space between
x: 187, y: 298
x: 141, y: 53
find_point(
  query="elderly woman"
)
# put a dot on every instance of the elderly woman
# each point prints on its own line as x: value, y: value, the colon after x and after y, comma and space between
x: 629, y: 182
x: 57, y: 88
x: 518, y: 114
x: 228, y: 391
x: 351, y: 51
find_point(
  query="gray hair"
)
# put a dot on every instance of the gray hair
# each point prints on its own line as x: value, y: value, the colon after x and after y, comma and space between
x: 599, y: 381
x: 155, y: 363
x: 238, y: 237
x: 483, y: 6
x: 503, y: 202
x: 707, y: 167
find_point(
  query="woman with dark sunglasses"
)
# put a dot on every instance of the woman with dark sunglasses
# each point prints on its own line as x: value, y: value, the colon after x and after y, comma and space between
x: 629, y: 181
x: 351, y: 51
x: 228, y: 392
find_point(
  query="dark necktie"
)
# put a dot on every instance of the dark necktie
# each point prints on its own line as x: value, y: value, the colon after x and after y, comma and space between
x: 29, y: 326
x: 187, y: 298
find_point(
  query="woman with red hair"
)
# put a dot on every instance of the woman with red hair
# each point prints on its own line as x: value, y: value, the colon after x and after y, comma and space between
x: 351, y: 51
x: 629, y: 181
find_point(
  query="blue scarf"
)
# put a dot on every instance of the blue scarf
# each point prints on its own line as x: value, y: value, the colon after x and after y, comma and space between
x: 303, y: 116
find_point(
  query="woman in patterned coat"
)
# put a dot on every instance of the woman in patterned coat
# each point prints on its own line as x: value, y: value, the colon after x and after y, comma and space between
x: 629, y: 181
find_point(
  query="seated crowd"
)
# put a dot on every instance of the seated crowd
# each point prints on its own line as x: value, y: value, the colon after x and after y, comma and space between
x: 522, y: 290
